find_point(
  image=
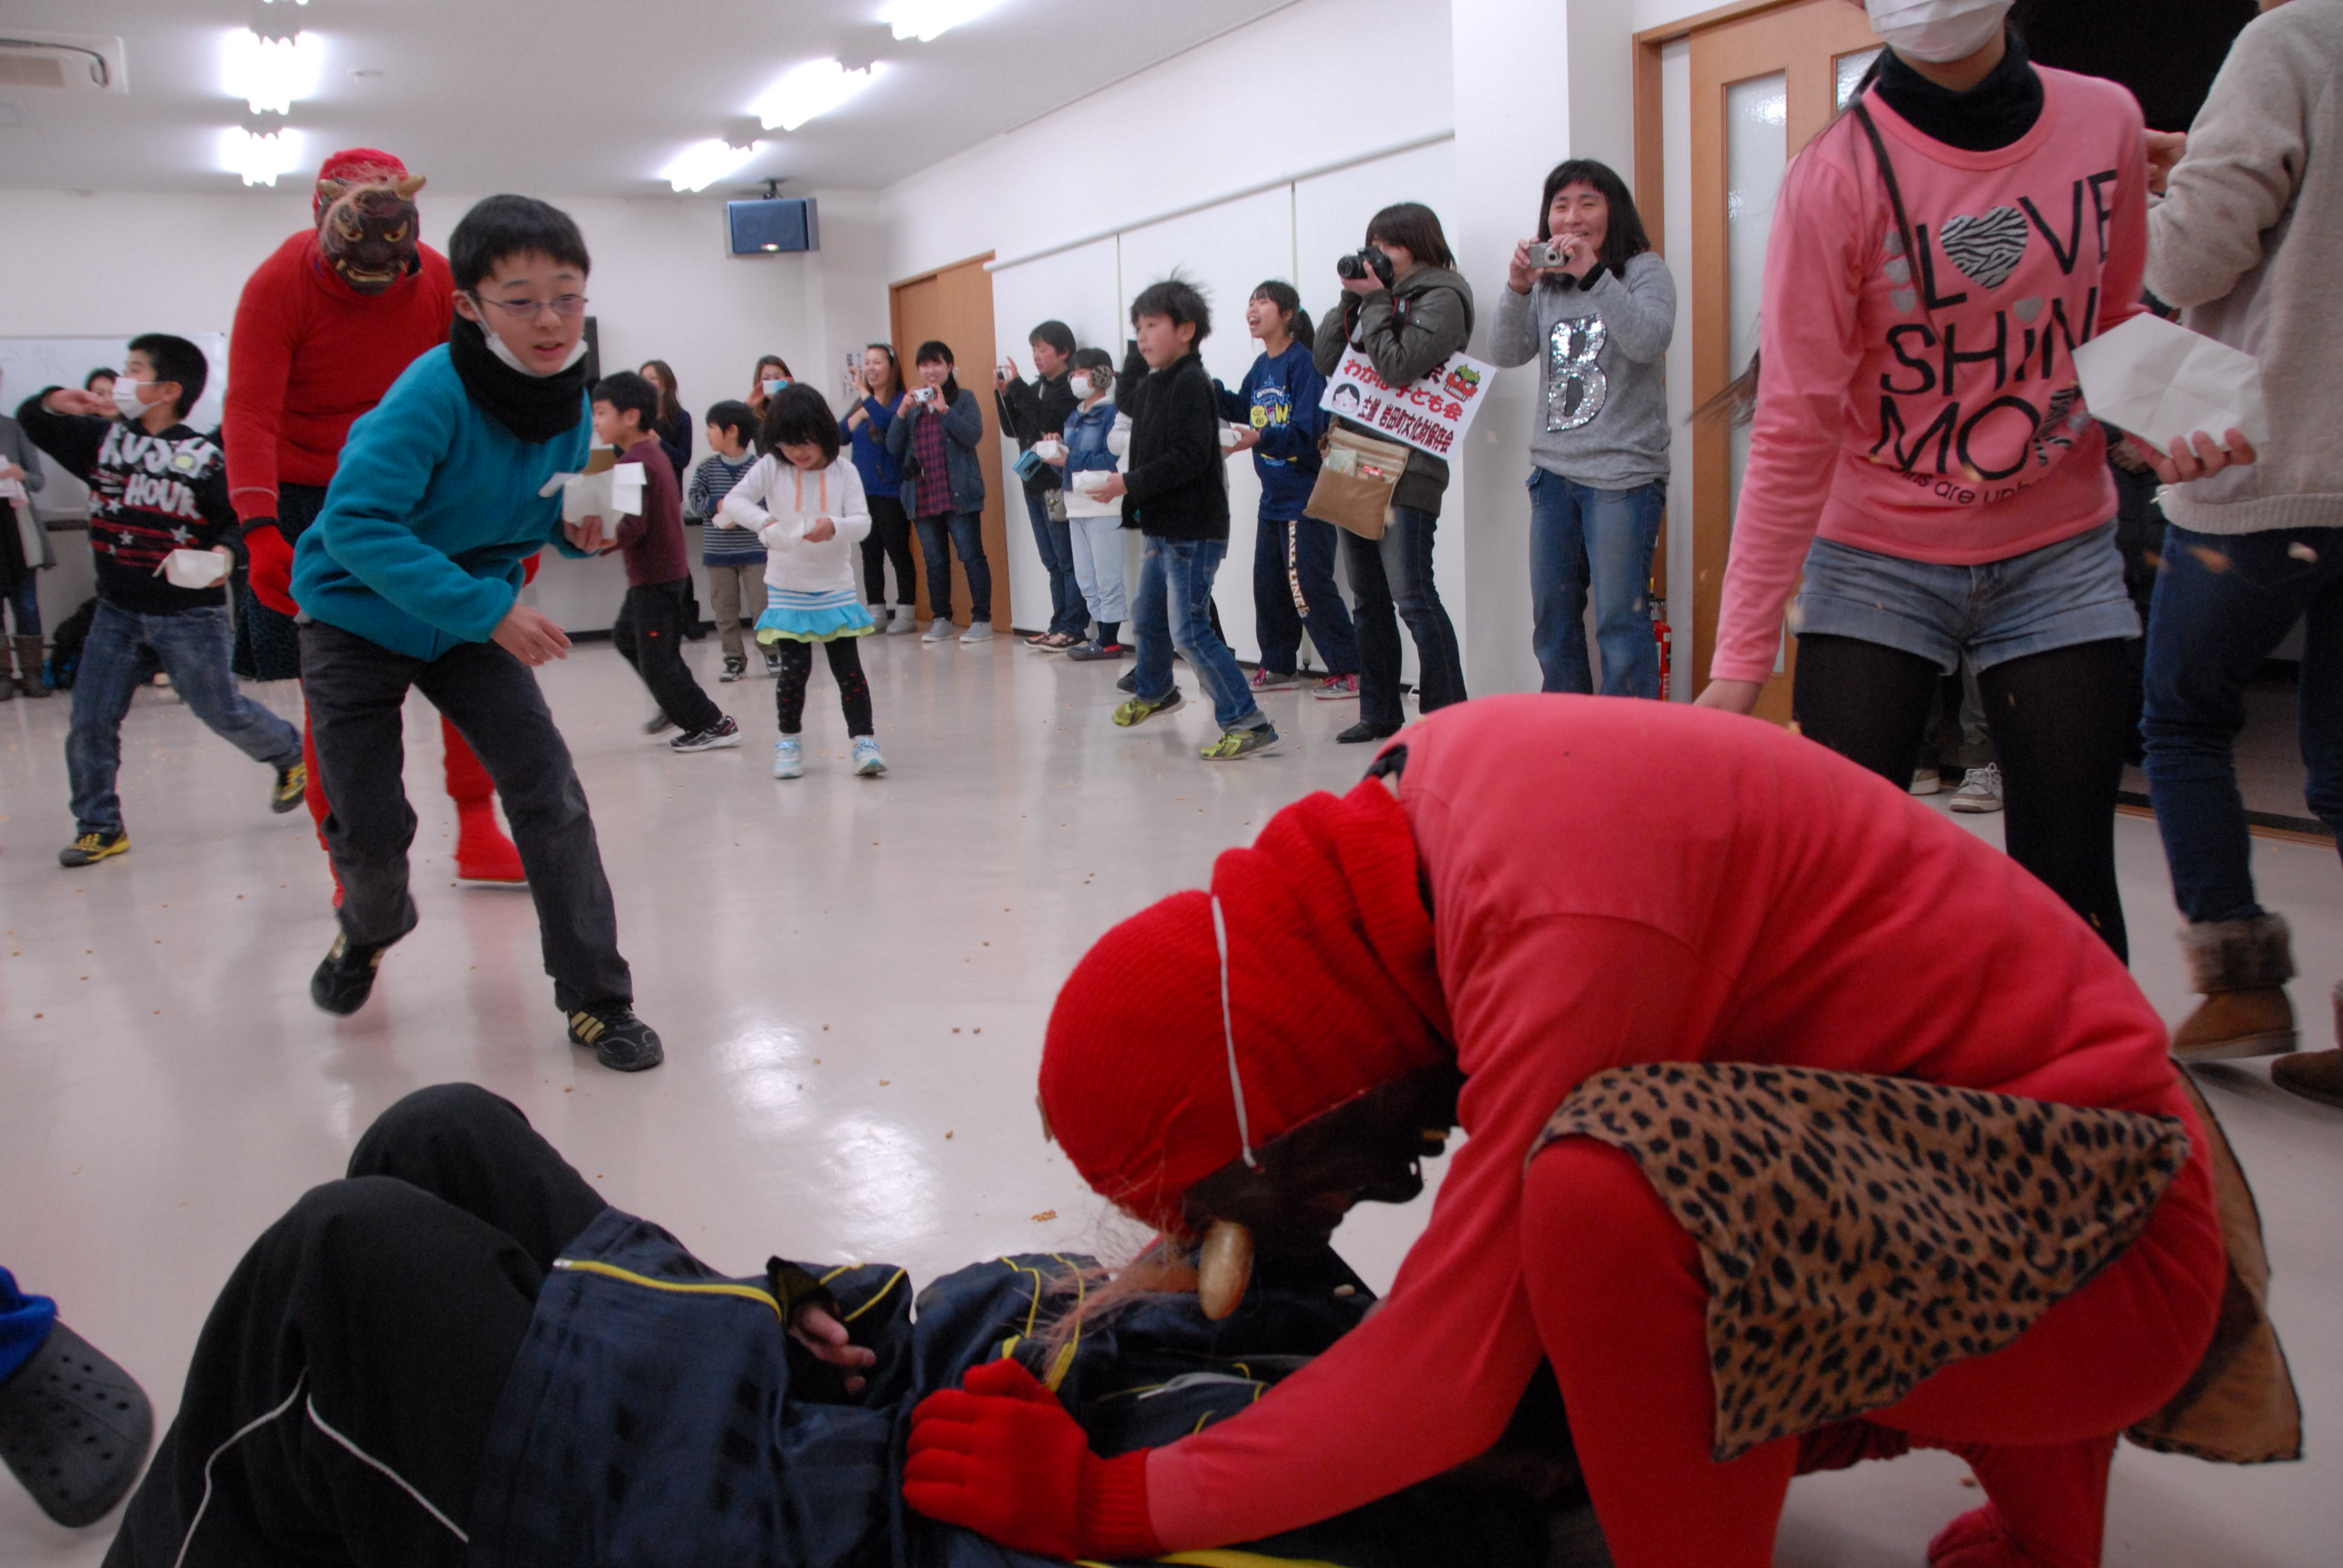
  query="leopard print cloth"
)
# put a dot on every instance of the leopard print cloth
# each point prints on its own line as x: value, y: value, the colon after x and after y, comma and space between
x: 1859, y: 1232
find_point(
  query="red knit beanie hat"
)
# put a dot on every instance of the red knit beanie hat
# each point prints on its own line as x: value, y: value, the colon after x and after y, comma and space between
x: 1331, y: 985
x: 360, y: 164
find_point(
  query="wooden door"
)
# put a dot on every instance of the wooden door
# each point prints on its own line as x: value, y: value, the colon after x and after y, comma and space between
x: 953, y: 306
x: 1765, y: 82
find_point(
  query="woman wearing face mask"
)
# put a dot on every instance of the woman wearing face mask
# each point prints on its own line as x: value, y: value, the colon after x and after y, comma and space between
x: 1600, y: 316
x: 1921, y: 452
x: 772, y: 375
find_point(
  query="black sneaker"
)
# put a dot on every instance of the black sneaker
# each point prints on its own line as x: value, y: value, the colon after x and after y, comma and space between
x: 74, y: 1427
x: 291, y: 784
x: 717, y: 736
x: 734, y: 669
x: 618, y: 1040
x: 345, y: 978
x: 1129, y: 681
x: 91, y: 847
x: 1364, y: 731
x: 658, y: 723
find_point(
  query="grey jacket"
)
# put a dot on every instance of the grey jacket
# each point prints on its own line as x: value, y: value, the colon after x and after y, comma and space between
x: 2245, y: 242
x: 1604, y: 418
x: 1406, y: 331
x: 17, y: 448
x: 963, y: 423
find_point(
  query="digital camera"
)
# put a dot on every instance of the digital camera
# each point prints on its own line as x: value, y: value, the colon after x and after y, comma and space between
x: 1546, y: 252
x: 923, y: 394
x: 1368, y: 261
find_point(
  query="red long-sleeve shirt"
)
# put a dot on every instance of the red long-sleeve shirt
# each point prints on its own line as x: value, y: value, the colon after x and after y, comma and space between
x: 308, y: 356
x: 1616, y: 882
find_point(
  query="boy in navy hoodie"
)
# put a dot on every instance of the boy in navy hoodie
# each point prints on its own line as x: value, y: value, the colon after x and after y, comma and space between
x: 157, y: 489
x: 411, y: 577
x: 1281, y: 423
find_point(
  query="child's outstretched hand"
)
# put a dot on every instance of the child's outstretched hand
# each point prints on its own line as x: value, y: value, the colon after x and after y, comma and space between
x: 530, y: 636
x: 822, y: 530
x: 814, y: 1327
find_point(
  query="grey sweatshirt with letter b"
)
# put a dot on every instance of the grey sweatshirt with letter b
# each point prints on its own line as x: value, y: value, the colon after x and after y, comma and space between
x: 1602, y: 415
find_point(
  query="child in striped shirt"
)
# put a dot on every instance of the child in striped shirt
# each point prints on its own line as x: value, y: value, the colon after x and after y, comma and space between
x: 734, y: 559
x: 811, y: 511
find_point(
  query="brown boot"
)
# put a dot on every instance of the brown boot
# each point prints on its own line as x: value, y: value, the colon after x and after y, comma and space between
x: 2240, y: 968
x: 28, y: 665
x: 2318, y: 1074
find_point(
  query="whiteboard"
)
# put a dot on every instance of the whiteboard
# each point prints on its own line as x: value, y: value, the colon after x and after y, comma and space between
x: 29, y: 364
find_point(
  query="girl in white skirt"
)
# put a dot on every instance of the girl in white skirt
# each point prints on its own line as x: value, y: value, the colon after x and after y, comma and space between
x: 811, y: 511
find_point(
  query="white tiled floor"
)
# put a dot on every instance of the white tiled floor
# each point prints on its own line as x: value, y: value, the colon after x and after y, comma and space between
x: 852, y: 978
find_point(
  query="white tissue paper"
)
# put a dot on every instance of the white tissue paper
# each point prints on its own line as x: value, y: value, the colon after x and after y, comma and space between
x: 612, y: 494
x: 195, y: 569
x: 2163, y: 383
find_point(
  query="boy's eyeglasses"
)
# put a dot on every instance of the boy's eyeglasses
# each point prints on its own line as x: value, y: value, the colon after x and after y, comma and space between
x: 565, y: 305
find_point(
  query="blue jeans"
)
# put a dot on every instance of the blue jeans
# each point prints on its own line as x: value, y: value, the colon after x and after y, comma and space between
x: 1054, y: 542
x: 192, y: 647
x: 939, y: 536
x: 1175, y: 593
x: 1298, y: 558
x: 25, y: 605
x: 2216, y: 617
x: 1581, y: 536
x: 1391, y: 578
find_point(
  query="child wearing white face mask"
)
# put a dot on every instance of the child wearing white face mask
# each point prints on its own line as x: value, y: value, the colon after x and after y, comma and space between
x: 1097, y: 435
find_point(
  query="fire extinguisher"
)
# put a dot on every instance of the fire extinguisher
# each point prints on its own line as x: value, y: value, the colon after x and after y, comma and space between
x: 1666, y: 639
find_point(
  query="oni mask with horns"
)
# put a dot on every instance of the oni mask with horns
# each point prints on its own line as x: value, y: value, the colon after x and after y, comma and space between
x: 367, y: 223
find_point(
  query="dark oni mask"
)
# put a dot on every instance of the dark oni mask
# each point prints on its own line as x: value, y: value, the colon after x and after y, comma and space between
x: 368, y: 231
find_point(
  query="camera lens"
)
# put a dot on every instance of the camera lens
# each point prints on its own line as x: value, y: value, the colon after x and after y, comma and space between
x: 1350, y: 266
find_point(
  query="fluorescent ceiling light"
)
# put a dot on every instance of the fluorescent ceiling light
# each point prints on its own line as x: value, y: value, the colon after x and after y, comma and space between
x: 702, y: 164
x: 813, y: 88
x: 260, y: 159
x: 270, y: 73
x: 930, y: 19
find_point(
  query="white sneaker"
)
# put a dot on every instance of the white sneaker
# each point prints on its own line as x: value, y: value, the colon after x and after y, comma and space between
x: 901, y: 620
x: 788, y: 758
x: 978, y: 631
x: 867, y: 763
x: 1980, y: 789
x: 940, y: 630
x: 1926, y: 782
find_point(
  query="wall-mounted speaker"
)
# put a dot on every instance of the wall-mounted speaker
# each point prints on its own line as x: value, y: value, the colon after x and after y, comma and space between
x: 772, y: 227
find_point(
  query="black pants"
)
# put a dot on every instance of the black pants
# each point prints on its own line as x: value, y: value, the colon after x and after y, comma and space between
x: 889, y: 540
x: 356, y: 689
x: 650, y: 636
x: 1392, y: 578
x: 2060, y: 723
x: 797, y: 669
x: 345, y: 1383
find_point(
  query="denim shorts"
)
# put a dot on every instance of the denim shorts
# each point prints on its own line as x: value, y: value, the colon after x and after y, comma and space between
x: 2059, y: 596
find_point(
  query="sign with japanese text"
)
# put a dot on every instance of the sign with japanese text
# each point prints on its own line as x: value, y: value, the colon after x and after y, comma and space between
x: 1431, y: 415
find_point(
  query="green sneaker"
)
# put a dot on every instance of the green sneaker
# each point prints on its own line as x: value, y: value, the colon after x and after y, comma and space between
x: 91, y: 847
x: 1238, y: 743
x: 1139, y: 710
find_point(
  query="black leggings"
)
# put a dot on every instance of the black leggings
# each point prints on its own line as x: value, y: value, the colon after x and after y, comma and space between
x: 797, y: 669
x: 889, y: 540
x: 344, y: 1386
x: 2060, y: 729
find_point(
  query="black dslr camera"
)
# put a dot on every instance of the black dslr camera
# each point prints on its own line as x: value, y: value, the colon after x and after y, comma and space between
x: 1368, y: 260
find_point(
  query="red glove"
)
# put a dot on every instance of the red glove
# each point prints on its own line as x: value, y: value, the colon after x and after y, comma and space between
x: 1000, y: 1455
x: 272, y: 568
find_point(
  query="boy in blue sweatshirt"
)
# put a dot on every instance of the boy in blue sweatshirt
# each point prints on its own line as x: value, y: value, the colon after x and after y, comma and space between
x: 1280, y: 422
x: 411, y: 577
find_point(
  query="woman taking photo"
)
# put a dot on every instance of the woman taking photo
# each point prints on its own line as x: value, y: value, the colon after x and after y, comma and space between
x: 1408, y: 311
x: 934, y: 436
x: 1921, y: 452
x: 672, y: 423
x: 877, y: 385
x: 1599, y: 316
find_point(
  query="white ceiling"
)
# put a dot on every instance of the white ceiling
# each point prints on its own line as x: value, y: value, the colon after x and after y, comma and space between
x: 595, y: 97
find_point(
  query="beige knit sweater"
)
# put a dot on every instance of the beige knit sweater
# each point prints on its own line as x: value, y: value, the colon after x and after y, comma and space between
x: 2248, y: 244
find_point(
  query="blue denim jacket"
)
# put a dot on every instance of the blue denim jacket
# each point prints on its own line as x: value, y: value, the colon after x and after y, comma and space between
x: 1086, y: 433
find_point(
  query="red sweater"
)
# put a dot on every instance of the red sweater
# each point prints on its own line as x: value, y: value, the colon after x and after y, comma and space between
x: 1793, y: 909
x: 310, y: 355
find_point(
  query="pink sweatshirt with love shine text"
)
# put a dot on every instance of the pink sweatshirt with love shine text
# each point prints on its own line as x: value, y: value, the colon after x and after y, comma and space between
x: 1926, y: 406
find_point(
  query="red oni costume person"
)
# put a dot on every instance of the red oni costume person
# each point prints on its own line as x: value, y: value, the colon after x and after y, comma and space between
x: 1561, y: 889
x: 323, y: 328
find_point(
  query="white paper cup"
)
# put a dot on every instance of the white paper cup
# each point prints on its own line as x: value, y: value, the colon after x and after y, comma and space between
x: 1090, y: 482
x: 195, y: 569
x: 1228, y: 438
x: 1049, y: 449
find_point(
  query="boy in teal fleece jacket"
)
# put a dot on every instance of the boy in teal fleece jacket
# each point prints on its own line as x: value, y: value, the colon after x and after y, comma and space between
x: 411, y: 577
